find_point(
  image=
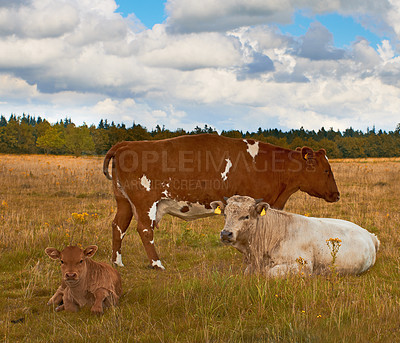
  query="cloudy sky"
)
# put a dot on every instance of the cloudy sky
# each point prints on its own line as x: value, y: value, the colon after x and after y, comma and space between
x: 231, y: 64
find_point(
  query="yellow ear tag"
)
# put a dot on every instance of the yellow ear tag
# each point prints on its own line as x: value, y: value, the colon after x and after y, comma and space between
x: 262, y: 212
x: 306, y: 156
x: 217, y: 210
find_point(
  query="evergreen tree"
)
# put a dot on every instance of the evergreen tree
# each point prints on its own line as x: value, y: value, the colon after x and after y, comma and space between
x: 3, y: 121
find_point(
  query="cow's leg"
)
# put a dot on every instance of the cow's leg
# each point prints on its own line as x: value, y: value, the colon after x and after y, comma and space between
x: 146, y: 232
x: 69, y: 304
x: 120, y: 225
x: 283, y: 270
x: 57, y: 298
x: 99, y: 296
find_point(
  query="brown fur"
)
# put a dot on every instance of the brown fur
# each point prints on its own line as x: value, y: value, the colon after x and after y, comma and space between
x: 85, y: 282
x: 191, y: 169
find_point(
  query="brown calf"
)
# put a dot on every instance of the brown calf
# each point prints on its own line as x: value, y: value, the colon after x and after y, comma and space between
x: 85, y: 282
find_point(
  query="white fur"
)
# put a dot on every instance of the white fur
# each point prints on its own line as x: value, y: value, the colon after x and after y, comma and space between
x: 173, y: 207
x: 158, y: 264
x: 145, y: 182
x: 118, y: 260
x: 227, y: 167
x: 153, y: 211
x: 252, y: 149
x: 275, y: 240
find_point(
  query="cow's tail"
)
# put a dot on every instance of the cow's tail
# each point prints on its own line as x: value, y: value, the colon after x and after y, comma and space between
x: 376, y: 241
x: 109, y: 156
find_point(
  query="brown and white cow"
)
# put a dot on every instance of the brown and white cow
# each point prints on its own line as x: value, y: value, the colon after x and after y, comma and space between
x: 181, y: 176
x: 85, y: 282
x: 277, y: 243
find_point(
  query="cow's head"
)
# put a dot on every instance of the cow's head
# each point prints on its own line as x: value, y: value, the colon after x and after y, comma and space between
x: 317, y: 177
x: 241, y: 214
x: 73, y: 262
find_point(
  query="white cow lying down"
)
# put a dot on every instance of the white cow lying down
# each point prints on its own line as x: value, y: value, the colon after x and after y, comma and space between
x: 272, y: 240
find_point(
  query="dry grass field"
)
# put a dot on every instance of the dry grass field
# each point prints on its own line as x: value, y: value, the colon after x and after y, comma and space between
x: 203, y: 295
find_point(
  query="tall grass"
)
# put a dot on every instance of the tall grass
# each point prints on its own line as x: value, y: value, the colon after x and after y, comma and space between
x: 203, y: 296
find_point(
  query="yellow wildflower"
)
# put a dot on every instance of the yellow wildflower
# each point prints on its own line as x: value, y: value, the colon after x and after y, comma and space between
x: 80, y: 217
x: 301, y: 261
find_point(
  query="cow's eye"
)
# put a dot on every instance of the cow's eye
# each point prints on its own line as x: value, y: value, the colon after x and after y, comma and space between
x: 80, y: 261
x: 244, y: 218
x: 327, y: 171
x: 62, y: 262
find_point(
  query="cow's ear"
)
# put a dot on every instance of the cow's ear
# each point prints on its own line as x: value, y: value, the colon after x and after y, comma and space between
x: 307, y: 153
x: 298, y: 149
x: 261, y: 208
x: 218, y: 207
x: 90, y: 250
x: 53, y: 253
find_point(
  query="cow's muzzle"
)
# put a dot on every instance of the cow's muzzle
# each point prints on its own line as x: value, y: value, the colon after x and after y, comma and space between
x: 226, y: 236
x: 334, y: 197
x: 71, y: 278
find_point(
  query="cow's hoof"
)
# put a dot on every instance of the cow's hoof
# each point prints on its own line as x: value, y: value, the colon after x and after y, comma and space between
x: 155, y: 267
x: 59, y: 308
x: 96, y: 311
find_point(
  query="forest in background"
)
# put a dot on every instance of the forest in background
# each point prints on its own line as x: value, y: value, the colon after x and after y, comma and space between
x: 30, y: 135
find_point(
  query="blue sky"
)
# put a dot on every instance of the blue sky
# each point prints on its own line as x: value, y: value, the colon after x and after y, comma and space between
x: 345, y: 29
x: 230, y: 64
x: 149, y: 12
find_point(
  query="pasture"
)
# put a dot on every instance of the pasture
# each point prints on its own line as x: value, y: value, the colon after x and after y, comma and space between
x: 203, y: 296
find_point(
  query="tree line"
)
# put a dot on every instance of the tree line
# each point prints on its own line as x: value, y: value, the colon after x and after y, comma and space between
x: 30, y: 135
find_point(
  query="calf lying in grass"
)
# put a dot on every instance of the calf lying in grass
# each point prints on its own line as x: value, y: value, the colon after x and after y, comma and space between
x: 85, y: 282
x: 273, y: 241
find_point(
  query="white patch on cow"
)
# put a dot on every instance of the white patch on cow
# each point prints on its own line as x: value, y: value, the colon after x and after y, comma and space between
x: 173, y: 207
x: 166, y: 193
x: 252, y: 149
x: 145, y: 182
x: 145, y: 230
x: 153, y: 212
x: 152, y: 242
x: 120, y: 231
x: 227, y: 167
x: 126, y: 196
x: 327, y: 158
x: 157, y: 263
x: 118, y: 260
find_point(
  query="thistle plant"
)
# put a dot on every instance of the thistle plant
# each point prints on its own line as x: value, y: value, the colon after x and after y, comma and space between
x: 301, y: 262
x: 334, y: 245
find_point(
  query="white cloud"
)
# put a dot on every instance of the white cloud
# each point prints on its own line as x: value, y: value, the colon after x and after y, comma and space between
x: 192, y: 51
x: 209, y: 63
x: 385, y: 51
x: 12, y: 88
x: 41, y: 19
x: 214, y: 15
x: 317, y: 44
